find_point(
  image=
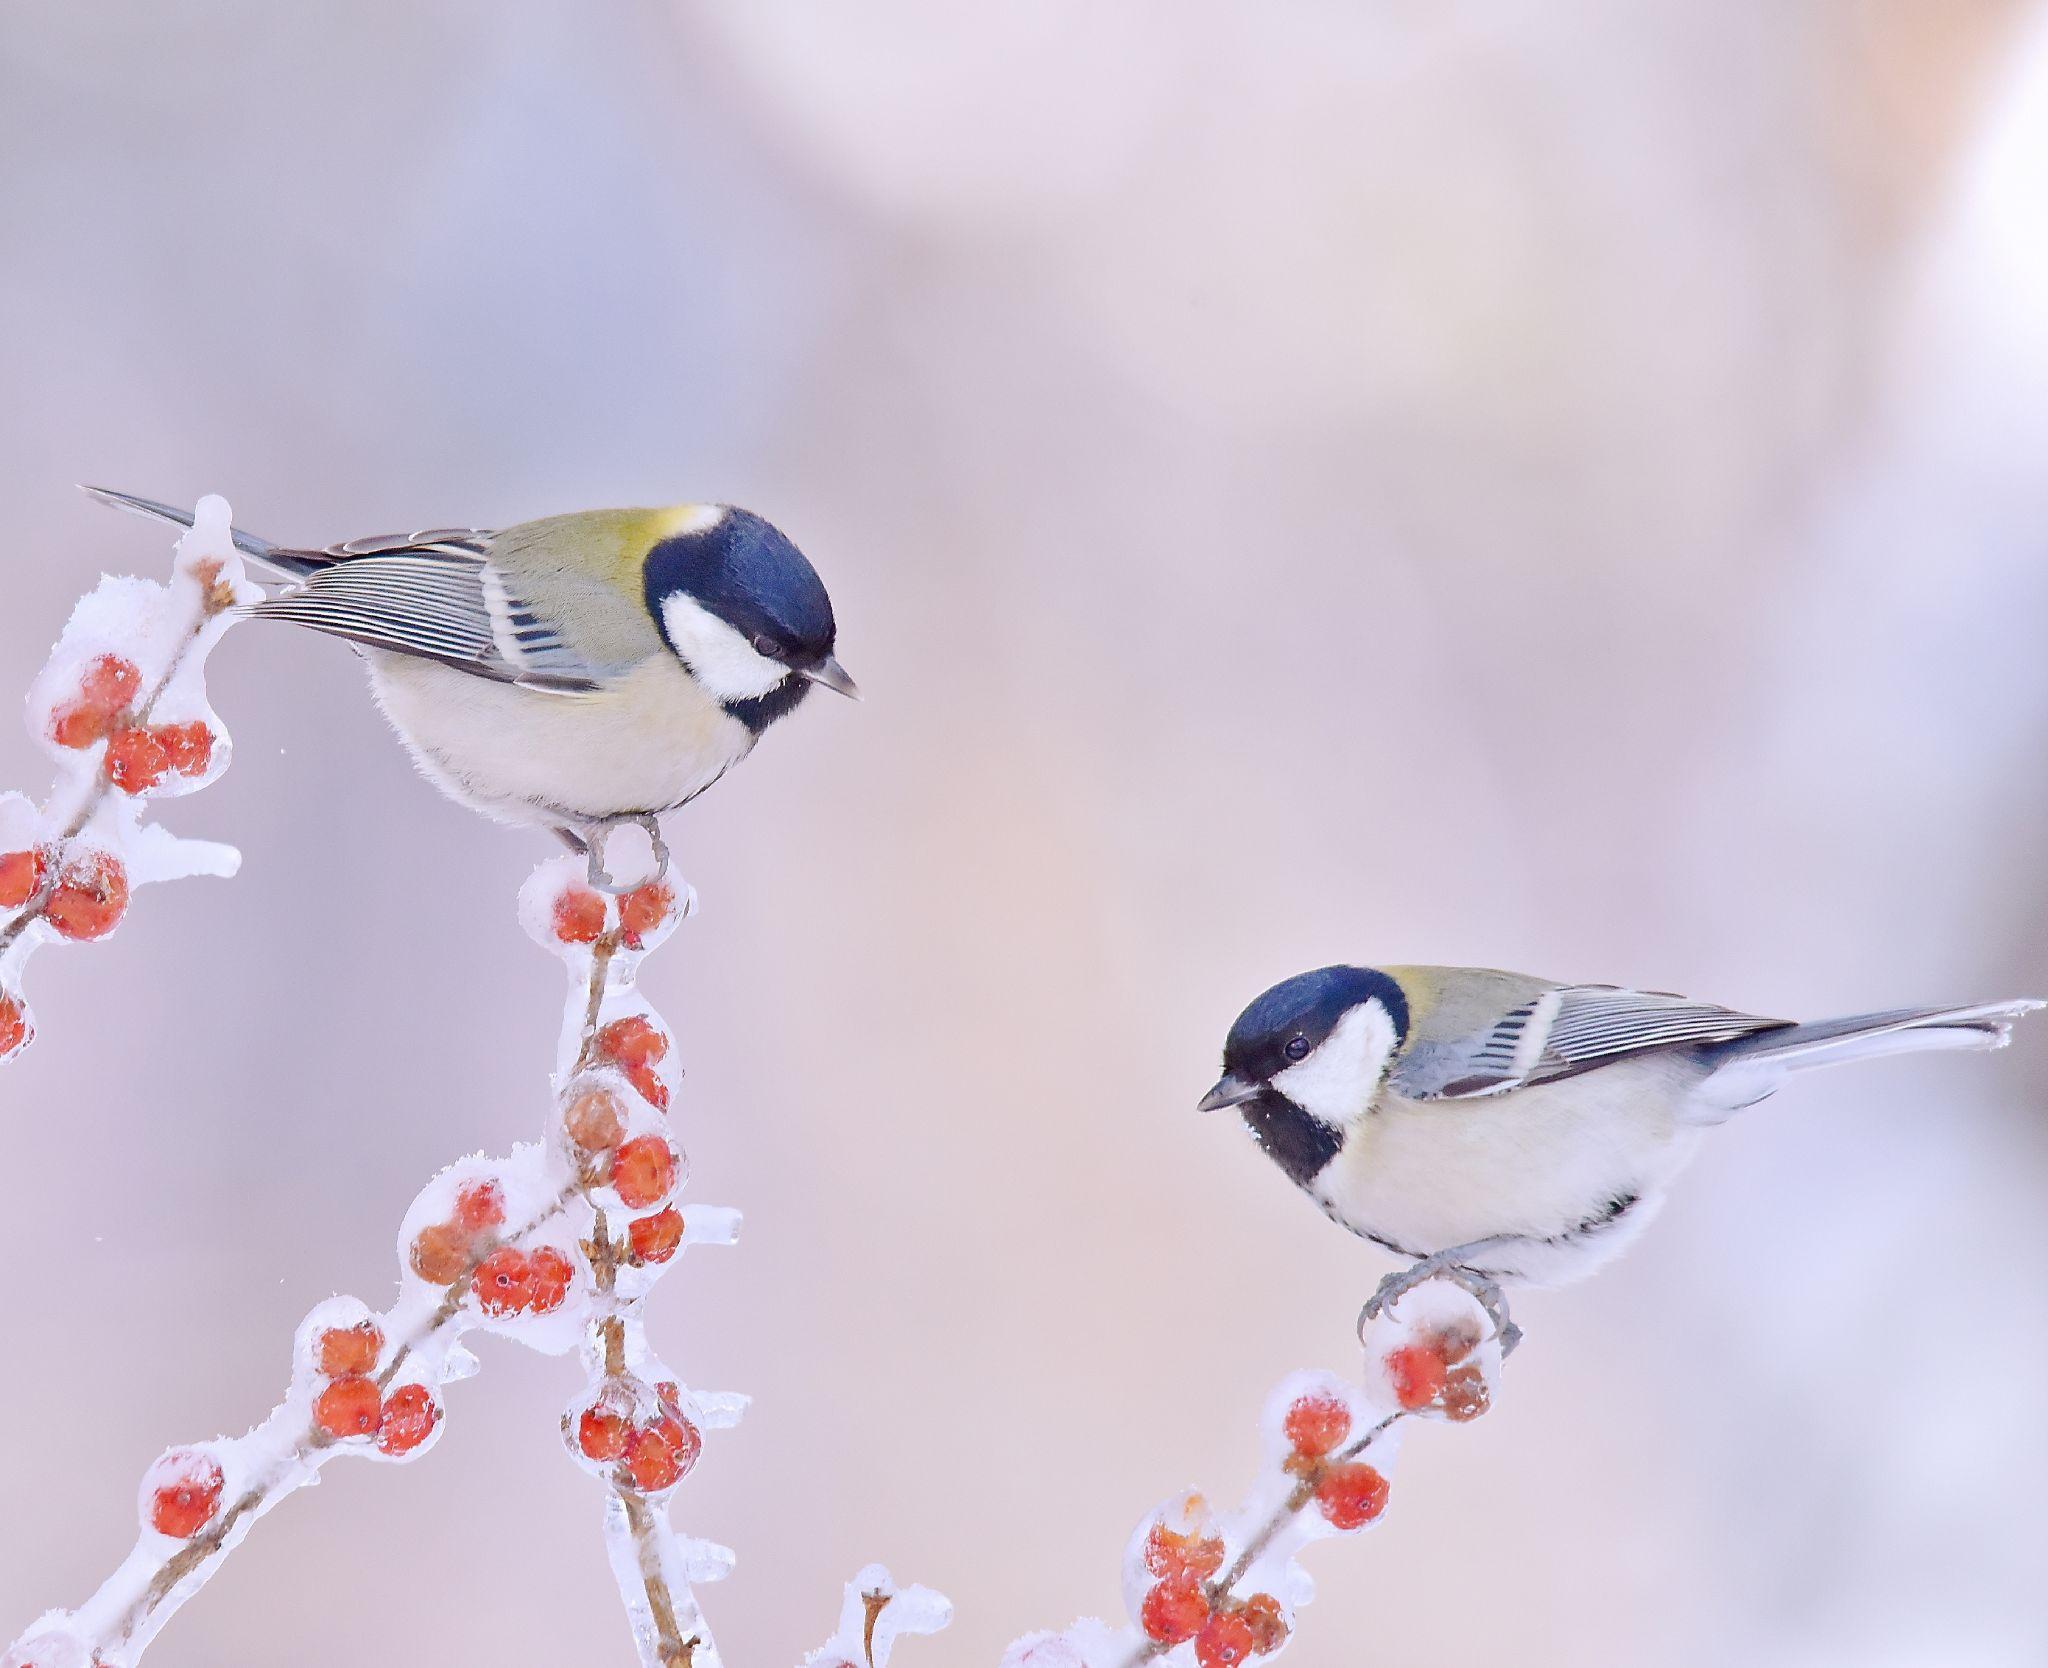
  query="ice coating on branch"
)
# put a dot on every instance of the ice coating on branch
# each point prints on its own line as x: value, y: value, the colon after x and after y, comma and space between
x: 121, y: 708
x: 874, y: 1614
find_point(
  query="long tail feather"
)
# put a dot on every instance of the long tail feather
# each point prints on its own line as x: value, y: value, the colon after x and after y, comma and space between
x: 283, y: 561
x: 1749, y: 1068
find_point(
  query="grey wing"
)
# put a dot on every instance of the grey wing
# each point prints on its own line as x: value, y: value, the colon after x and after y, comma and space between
x: 438, y: 596
x: 1559, y: 1033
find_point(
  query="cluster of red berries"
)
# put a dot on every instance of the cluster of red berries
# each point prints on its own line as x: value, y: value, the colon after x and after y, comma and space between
x: 582, y: 916
x: 650, y: 1449
x: 1349, y: 1493
x: 504, y: 1280
x: 88, y: 900
x: 350, y: 1404
x: 641, y: 1171
x: 182, y: 1492
x: 1434, y: 1373
x: 1183, y: 1603
x: 139, y: 756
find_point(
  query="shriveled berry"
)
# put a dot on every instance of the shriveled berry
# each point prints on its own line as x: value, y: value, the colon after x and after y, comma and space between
x: 480, y: 1205
x: 409, y: 1417
x: 1268, y: 1622
x: 349, y: 1349
x: 601, y: 1433
x: 1173, y: 1611
x: 644, y: 1172
x: 1417, y: 1373
x: 1466, y: 1395
x: 440, y: 1253
x: 1351, y: 1495
x: 136, y: 760
x: 348, y: 1406
x: 1226, y: 1640
x: 1316, y: 1423
x: 15, y: 1031
x: 654, y: 1238
x: 1174, y: 1556
x: 551, y: 1273
x: 579, y: 916
x: 660, y: 1455
x: 91, y: 897
x: 185, y: 1490
x: 189, y: 747
x: 643, y: 910
x: 21, y: 876
x: 504, y: 1282
x: 594, y: 1120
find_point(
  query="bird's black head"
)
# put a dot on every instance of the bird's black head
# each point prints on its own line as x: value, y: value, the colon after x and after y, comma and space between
x: 740, y: 606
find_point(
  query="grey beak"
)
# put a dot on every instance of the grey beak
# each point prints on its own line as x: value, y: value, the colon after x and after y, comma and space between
x: 833, y: 676
x: 1230, y: 1090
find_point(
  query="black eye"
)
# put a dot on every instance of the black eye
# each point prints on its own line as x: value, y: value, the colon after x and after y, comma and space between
x: 770, y: 646
x: 1296, y: 1049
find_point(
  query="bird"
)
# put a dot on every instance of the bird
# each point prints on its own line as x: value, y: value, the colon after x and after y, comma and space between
x: 1500, y: 1128
x: 575, y: 672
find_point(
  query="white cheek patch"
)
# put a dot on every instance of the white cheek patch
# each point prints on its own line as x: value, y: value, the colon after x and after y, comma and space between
x: 1336, y: 1083
x: 724, y: 661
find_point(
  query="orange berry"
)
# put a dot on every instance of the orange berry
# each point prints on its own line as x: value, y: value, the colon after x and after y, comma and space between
x: 551, y: 1273
x: 187, y: 1489
x: 1173, y: 1611
x: 136, y: 760
x: 1417, y: 1373
x: 504, y: 1283
x: 1316, y: 1423
x: 110, y: 683
x: 654, y: 1238
x: 189, y: 747
x: 643, y: 910
x: 1268, y: 1622
x: 91, y: 897
x: 579, y: 916
x: 1351, y: 1495
x: 1226, y: 1639
x: 594, y: 1120
x: 644, y: 1172
x: 347, y: 1407
x: 601, y: 1433
x: 1177, y: 1557
x: 1465, y: 1394
x: 480, y: 1205
x: 21, y: 876
x: 349, y: 1349
x: 440, y: 1254
x: 660, y: 1455
x: 408, y: 1419
x: 15, y: 1031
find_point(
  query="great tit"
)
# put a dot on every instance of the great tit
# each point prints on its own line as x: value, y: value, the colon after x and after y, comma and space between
x: 572, y: 672
x: 1512, y: 1127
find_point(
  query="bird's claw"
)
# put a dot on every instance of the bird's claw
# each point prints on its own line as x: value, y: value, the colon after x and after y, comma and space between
x: 1442, y: 1266
x: 593, y: 849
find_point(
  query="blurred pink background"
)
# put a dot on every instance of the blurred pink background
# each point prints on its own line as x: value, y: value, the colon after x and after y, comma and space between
x: 1558, y: 486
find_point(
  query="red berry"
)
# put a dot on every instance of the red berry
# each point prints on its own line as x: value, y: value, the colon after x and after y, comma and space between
x: 1466, y: 1395
x: 408, y: 1419
x: 1316, y: 1423
x: 1351, y: 1495
x: 601, y: 1433
x: 1226, y: 1639
x: 1268, y: 1622
x: 110, y: 683
x: 21, y: 877
x: 189, y: 747
x: 633, y: 1041
x: 504, y: 1282
x: 91, y: 897
x: 347, y: 1407
x: 654, y: 1238
x: 479, y: 1205
x: 1174, y: 1610
x: 644, y: 1172
x: 551, y: 1272
x: 643, y: 910
x: 670, y: 1395
x: 136, y: 760
x: 1417, y: 1373
x: 660, y: 1455
x: 186, y: 1489
x: 594, y: 1120
x: 649, y: 1087
x: 579, y: 916
x: 15, y: 1031
x: 1191, y: 1557
x: 440, y: 1254
x: 350, y: 1349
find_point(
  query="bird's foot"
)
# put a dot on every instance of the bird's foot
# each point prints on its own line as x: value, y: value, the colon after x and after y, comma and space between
x: 592, y: 842
x: 1445, y: 1265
